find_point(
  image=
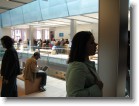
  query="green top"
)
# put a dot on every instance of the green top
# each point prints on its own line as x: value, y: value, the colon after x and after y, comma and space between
x: 80, y: 82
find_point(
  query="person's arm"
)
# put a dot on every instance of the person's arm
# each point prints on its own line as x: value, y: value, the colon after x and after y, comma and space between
x: 34, y: 68
x: 76, y: 83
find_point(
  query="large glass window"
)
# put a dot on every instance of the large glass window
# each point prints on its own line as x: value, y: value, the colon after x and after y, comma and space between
x: 47, y: 34
x: 39, y: 34
x: 12, y: 34
x: 24, y: 35
x: 17, y: 34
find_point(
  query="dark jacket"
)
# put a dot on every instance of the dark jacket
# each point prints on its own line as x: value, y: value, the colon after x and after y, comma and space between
x: 10, y: 64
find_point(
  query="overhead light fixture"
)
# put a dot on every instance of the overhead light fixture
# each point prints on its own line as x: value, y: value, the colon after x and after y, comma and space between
x: 8, y: 0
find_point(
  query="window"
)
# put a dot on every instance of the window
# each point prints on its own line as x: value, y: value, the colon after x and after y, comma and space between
x: 17, y: 34
x: 12, y: 34
x: 47, y: 34
x: 24, y: 35
x: 39, y: 34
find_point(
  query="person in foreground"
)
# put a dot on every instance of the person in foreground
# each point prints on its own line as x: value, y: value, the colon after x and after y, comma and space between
x: 82, y: 79
x: 31, y: 72
x: 10, y: 68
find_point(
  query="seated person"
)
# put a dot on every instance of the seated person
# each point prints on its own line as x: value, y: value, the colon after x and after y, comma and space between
x: 31, y: 71
x: 56, y: 47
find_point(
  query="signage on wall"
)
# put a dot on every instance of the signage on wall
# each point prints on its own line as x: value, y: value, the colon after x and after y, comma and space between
x: 61, y: 34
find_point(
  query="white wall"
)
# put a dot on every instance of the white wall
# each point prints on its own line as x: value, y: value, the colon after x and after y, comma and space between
x: 5, y: 31
x: 63, y: 29
x: 66, y: 30
x: 89, y: 27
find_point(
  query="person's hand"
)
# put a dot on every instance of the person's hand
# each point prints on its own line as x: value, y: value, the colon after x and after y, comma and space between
x: 40, y: 67
x: 100, y: 84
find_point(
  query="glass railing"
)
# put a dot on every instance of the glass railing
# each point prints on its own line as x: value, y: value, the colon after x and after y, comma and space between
x: 54, y: 55
x: 57, y: 55
x: 55, y: 58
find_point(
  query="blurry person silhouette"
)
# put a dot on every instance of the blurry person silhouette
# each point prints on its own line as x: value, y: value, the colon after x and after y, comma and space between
x: 82, y: 79
x: 39, y: 44
x: 31, y: 71
x: 10, y: 68
x: 28, y: 42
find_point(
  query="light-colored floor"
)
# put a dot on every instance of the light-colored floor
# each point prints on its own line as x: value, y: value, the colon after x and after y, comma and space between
x: 54, y: 88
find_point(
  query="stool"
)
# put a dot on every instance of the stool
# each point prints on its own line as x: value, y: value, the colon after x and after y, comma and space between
x: 31, y: 87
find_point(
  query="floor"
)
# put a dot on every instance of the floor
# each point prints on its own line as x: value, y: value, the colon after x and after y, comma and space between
x: 54, y: 88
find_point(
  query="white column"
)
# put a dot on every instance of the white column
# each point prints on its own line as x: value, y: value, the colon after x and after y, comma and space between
x: 31, y: 36
x: 112, y: 61
x: 43, y: 34
x: 72, y: 28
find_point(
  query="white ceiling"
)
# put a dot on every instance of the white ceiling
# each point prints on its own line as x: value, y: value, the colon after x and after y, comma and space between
x: 80, y: 19
x: 6, y: 5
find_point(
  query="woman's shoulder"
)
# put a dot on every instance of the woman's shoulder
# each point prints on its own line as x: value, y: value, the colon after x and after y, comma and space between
x: 77, y: 65
x: 10, y: 51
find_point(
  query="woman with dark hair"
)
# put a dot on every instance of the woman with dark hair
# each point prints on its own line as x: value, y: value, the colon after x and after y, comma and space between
x: 10, y: 68
x: 82, y: 79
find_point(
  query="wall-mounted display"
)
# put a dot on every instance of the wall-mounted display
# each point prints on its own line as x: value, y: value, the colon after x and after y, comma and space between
x: 61, y: 34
